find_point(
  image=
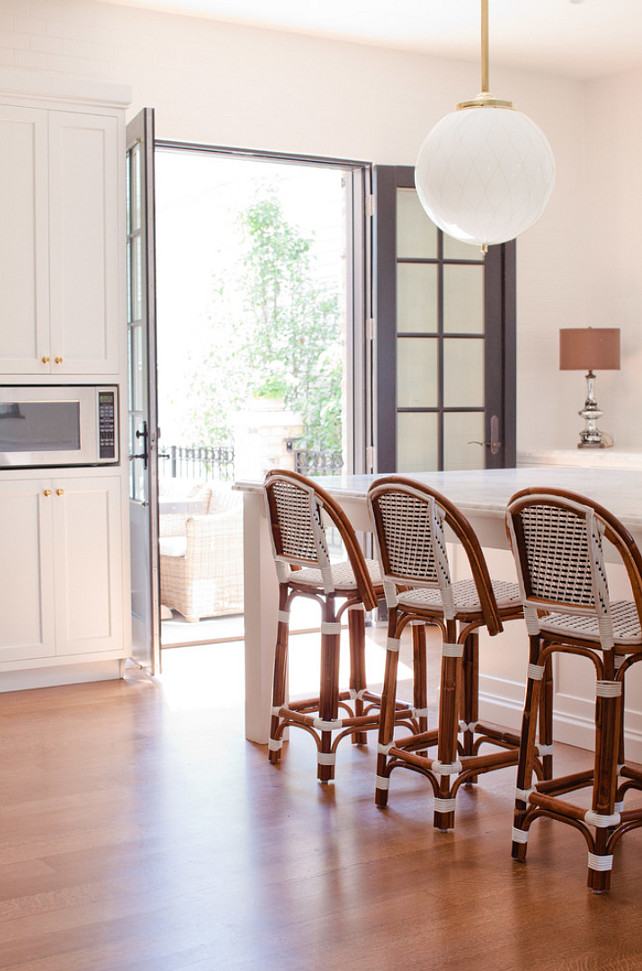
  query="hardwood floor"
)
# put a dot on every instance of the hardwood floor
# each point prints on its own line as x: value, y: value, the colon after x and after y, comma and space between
x: 139, y: 831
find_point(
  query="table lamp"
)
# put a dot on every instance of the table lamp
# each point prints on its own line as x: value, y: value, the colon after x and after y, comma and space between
x: 590, y: 349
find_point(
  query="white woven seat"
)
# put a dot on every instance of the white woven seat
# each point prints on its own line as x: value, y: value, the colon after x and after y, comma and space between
x: 624, y: 615
x: 465, y: 596
x: 343, y: 578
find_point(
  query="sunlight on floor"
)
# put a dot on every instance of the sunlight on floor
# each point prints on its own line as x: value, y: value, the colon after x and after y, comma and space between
x: 213, y: 675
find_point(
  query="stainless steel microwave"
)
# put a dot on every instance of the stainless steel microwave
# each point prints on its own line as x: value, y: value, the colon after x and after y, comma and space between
x: 46, y: 425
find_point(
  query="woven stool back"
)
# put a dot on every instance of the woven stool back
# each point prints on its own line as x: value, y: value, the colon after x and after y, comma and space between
x: 557, y: 540
x: 410, y: 521
x: 296, y: 509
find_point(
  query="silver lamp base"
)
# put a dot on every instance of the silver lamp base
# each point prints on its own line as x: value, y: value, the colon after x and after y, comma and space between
x: 591, y: 436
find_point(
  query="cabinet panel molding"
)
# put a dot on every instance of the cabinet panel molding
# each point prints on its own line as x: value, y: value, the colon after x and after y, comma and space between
x: 24, y: 280
x: 26, y: 570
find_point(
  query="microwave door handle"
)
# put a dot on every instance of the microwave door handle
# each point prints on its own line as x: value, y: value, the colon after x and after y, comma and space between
x: 144, y: 454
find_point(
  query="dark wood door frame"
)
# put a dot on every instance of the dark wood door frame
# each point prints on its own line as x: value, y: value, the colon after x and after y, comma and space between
x: 499, y: 344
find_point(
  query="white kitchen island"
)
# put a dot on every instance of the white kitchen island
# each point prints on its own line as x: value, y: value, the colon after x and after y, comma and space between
x: 482, y: 497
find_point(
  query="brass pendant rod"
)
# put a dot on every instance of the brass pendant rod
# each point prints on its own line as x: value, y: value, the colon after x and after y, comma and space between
x: 484, y: 46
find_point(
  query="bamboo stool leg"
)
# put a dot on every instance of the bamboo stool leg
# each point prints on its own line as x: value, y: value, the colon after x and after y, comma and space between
x: 280, y: 676
x: 526, y: 751
x: 607, y: 742
x: 329, y: 689
x: 444, y: 816
x: 469, y: 706
x: 545, y: 733
x: 420, y: 674
x: 387, y: 716
x: 357, y: 632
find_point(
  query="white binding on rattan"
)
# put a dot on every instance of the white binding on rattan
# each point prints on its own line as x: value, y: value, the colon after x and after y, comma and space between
x: 468, y: 726
x: 535, y: 672
x: 276, y: 710
x: 357, y: 695
x: 420, y: 712
x: 543, y: 750
x: 333, y: 725
x: 383, y: 782
x: 384, y: 749
x: 327, y: 628
x: 600, y: 862
x: 608, y: 689
x: 446, y: 768
x: 275, y: 744
x: 452, y: 650
x: 618, y: 807
x: 520, y: 835
x: 531, y: 618
x: 392, y: 644
x: 523, y: 795
x: 601, y: 822
x: 326, y: 758
x: 284, y: 616
x: 444, y: 805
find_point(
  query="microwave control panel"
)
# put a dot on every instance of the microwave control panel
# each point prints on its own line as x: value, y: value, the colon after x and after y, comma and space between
x: 107, y: 425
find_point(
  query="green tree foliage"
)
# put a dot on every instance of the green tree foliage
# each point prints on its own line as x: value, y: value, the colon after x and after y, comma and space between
x: 275, y: 333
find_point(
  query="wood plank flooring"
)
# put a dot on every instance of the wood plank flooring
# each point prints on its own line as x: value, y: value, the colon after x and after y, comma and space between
x: 139, y: 831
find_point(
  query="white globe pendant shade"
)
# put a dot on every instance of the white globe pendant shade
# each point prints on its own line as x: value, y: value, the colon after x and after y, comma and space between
x: 485, y: 174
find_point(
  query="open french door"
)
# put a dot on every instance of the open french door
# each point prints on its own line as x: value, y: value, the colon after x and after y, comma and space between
x: 444, y: 340
x: 143, y: 431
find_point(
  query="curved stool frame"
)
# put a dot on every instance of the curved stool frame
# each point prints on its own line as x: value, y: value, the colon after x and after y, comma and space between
x: 410, y: 521
x: 557, y: 542
x: 297, y: 508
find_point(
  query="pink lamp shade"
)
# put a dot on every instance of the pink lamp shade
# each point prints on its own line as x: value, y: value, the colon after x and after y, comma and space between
x: 590, y: 349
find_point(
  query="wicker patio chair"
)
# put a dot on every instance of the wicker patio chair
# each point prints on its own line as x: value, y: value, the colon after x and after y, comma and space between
x: 297, y: 511
x: 410, y: 521
x: 557, y: 540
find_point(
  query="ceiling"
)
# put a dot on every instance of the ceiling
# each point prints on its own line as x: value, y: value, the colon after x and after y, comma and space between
x: 580, y: 39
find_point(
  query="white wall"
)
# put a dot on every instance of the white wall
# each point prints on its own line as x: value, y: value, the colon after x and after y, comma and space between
x: 614, y: 244
x: 234, y: 86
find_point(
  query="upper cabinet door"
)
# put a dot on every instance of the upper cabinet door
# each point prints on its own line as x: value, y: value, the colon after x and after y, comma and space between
x: 24, y: 244
x: 61, y: 251
x: 84, y: 250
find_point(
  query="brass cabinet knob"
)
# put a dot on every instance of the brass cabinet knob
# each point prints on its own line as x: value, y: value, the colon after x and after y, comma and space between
x: 47, y: 492
x: 57, y: 360
x: 46, y: 359
x: 60, y: 492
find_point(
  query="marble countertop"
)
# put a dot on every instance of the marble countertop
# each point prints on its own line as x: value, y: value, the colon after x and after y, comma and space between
x: 488, y: 490
x: 597, y: 458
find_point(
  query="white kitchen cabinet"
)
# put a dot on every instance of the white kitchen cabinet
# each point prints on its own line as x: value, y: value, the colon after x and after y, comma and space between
x: 61, y: 589
x: 62, y: 200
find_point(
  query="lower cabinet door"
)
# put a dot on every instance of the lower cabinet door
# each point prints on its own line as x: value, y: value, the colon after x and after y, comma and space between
x: 27, y: 628
x: 87, y: 577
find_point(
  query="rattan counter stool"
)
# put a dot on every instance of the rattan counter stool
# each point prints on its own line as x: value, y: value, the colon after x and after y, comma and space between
x: 297, y: 512
x: 557, y: 539
x: 410, y: 521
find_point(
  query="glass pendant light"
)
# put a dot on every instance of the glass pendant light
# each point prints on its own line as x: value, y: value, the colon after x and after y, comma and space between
x: 485, y: 172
